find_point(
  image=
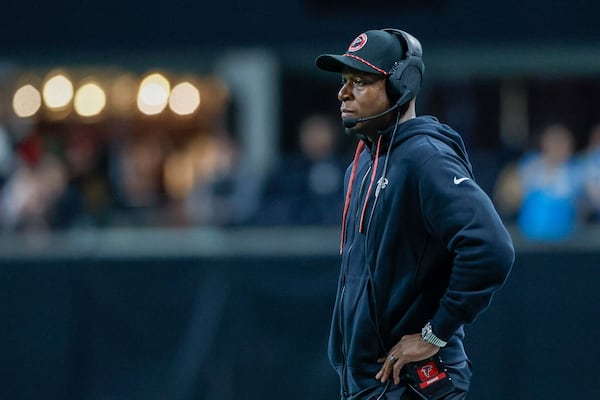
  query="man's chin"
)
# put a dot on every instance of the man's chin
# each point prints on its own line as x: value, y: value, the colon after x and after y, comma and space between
x: 353, y: 132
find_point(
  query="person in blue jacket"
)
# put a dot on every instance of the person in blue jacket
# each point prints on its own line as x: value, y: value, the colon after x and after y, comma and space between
x: 423, y: 248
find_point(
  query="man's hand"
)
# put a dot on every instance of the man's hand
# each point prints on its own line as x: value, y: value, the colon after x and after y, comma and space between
x: 410, y: 348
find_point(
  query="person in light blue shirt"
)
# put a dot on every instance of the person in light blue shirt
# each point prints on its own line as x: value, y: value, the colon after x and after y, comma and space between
x: 591, y: 175
x: 551, y: 184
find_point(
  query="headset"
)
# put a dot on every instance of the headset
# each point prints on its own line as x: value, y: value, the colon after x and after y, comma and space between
x: 405, y: 77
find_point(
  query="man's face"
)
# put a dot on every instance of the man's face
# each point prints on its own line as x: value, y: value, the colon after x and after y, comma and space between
x: 363, y: 95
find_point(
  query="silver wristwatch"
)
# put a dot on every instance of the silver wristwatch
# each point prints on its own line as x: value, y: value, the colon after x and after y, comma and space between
x: 428, y: 336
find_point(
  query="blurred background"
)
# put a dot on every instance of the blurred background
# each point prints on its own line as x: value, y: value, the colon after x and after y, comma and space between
x: 171, y: 188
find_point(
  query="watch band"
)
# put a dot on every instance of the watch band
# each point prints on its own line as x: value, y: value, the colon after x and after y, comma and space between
x: 428, y: 336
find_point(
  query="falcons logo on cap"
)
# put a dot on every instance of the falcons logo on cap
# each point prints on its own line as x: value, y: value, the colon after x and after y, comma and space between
x: 358, y: 43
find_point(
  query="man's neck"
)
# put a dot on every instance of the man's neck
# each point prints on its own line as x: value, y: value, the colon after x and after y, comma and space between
x: 409, y: 114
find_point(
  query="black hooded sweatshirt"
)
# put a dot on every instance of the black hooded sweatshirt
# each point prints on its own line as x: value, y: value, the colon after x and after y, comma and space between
x: 421, y: 241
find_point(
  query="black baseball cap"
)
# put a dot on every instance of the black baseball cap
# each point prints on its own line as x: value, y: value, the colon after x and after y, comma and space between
x: 373, y: 51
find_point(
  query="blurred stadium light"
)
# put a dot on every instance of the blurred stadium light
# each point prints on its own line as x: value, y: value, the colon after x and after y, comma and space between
x: 57, y: 91
x: 27, y: 100
x: 153, y: 94
x: 90, y: 100
x: 184, y: 98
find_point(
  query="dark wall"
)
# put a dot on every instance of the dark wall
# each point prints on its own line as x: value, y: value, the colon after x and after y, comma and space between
x: 132, y: 25
x: 256, y: 328
x: 539, y: 338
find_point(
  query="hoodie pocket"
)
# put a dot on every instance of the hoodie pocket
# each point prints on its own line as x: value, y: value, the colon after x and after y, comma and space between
x: 361, y: 333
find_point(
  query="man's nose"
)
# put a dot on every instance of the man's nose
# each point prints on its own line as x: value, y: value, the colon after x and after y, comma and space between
x: 344, y: 93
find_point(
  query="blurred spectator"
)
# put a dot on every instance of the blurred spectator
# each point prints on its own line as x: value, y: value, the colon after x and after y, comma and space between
x: 136, y: 171
x: 544, y: 187
x: 306, y: 189
x: 87, y: 199
x: 591, y: 166
x: 507, y: 192
x: 6, y: 155
x: 31, y: 193
x: 223, y: 194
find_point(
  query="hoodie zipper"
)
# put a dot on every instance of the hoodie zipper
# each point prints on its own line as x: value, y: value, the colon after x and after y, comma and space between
x: 343, y: 290
x: 377, y: 192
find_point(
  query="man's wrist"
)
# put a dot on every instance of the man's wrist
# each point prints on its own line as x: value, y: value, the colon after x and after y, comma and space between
x: 428, y: 336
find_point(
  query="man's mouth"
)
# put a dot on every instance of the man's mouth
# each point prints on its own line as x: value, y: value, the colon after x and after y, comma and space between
x: 346, y: 113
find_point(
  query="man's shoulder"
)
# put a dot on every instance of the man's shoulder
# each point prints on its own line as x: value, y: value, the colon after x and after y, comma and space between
x: 422, y: 146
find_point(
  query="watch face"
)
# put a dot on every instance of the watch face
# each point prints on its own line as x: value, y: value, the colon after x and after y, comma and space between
x: 426, y: 329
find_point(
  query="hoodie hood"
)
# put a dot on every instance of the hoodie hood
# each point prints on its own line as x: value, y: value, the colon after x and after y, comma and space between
x: 430, y: 126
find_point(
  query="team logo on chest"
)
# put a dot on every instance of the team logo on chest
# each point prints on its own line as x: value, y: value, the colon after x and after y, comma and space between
x: 381, y: 184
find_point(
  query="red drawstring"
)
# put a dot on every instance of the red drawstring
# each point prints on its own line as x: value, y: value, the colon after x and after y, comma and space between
x: 359, y: 149
x: 373, y: 174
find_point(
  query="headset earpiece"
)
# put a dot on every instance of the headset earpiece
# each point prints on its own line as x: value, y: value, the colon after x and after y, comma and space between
x: 405, y: 77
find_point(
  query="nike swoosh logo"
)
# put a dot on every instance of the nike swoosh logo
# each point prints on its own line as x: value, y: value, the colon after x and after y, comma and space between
x: 459, y: 181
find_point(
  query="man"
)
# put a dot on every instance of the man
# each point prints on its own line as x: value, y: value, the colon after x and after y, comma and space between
x: 423, y: 249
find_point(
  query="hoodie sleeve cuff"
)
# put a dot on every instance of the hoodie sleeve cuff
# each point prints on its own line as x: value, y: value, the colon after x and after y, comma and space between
x: 443, y: 325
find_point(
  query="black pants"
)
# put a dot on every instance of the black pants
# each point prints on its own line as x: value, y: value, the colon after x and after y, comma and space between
x: 458, y: 395
x: 461, y: 378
